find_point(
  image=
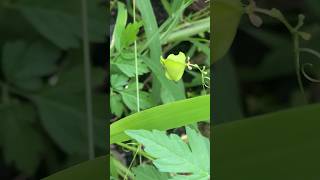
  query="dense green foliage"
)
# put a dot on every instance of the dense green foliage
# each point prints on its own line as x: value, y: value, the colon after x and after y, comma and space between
x: 152, y: 88
x: 42, y: 107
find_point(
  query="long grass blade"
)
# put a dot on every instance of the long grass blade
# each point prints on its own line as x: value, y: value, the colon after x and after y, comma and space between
x: 163, y: 117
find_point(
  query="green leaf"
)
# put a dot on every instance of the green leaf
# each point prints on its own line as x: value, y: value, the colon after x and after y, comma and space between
x: 153, y: 36
x: 93, y: 169
x: 24, y: 64
x: 226, y: 95
x: 129, y: 35
x: 63, y: 117
x: 62, y: 29
x: 127, y: 66
x: 130, y: 99
x: 17, y: 134
x: 163, y: 117
x: 116, y: 105
x: 280, y: 145
x: 120, y: 26
x: 148, y: 172
x: 172, y: 155
x: 118, y: 81
x: 52, y: 25
x: 226, y: 17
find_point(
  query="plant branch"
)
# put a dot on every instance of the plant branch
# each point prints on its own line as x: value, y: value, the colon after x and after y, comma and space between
x: 87, y: 66
x: 294, y: 31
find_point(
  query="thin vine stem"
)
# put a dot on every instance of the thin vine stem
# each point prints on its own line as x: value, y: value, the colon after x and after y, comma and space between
x: 294, y: 31
x: 86, y: 54
x: 203, y: 75
x: 133, y: 149
x: 136, y: 61
x: 297, y: 61
x: 131, y: 164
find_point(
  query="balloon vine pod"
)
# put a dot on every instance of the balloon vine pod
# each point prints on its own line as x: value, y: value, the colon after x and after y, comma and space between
x: 175, y: 65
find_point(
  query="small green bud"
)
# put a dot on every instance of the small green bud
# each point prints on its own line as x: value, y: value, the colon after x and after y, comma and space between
x: 305, y: 36
x: 276, y: 13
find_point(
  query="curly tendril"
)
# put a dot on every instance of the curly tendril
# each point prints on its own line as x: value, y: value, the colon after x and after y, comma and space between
x: 304, y: 66
x: 205, y: 79
x: 252, y: 10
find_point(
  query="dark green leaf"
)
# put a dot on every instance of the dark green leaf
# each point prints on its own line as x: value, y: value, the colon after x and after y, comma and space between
x: 17, y: 134
x: 52, y: 25
x: 93, y: 169
x: 24, y: 64
x: 64, y: 116
x: 226, y: 17
x: 280, y: 145
x: 226, y: 95
x: 148, y: 172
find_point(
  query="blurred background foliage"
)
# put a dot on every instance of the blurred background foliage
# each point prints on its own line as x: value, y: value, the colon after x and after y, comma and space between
x: 258, y: 75
x: 42, y: 104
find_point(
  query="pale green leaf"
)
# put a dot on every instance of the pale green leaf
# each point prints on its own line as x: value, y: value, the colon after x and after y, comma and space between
x: 172, y: 154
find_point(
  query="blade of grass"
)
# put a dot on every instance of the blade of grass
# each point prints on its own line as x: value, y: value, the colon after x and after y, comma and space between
x: 153, y: 36
x: 151, y: 29
x: 163, y: 117
x: 193, y: 29
x: 166, y: 6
